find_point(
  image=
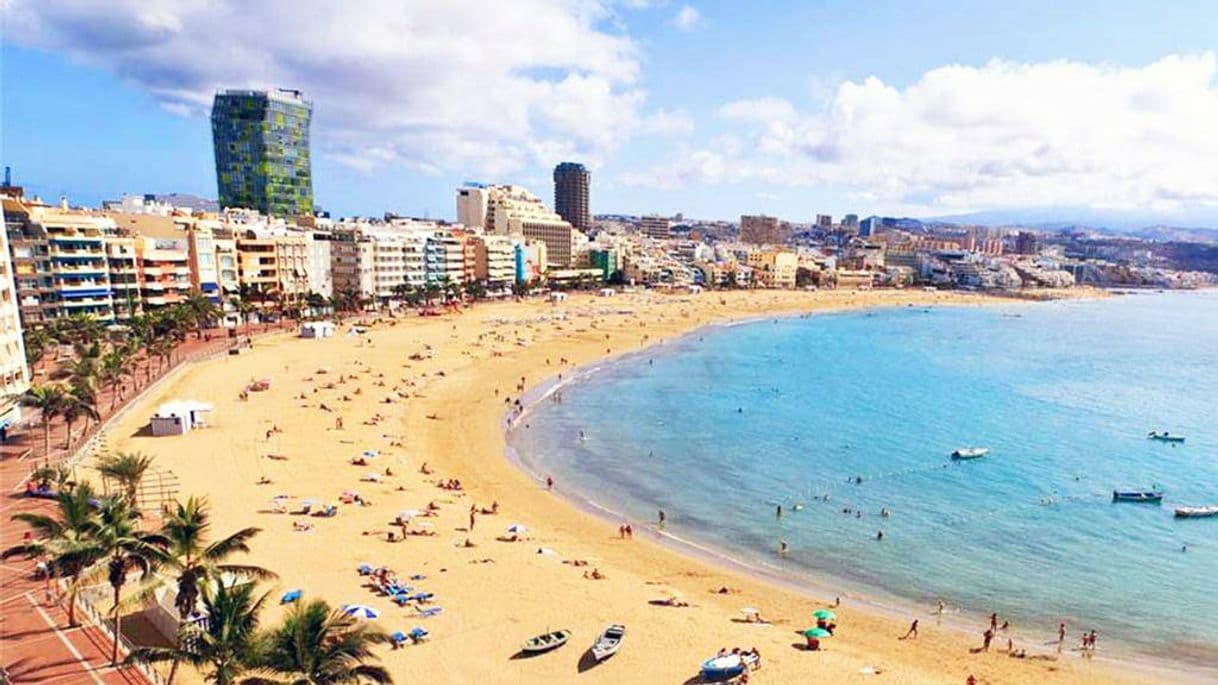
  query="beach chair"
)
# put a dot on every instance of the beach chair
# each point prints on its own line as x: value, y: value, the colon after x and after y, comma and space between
x: 365, y: 569
x: 429, y: 612
x: 290, y: 596
x: 418, y: 576
x: 418, y: 634
x: 422, y: 597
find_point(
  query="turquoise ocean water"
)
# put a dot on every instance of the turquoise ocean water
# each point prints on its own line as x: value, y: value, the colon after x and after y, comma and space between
x: 720, y: 427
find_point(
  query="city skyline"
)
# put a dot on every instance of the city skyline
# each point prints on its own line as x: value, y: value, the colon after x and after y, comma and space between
x: 673, y: 107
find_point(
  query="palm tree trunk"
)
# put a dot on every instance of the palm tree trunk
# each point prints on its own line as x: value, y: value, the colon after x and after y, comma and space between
x: 118, y: 619
x: 72, y: 602
x: 46, y: 436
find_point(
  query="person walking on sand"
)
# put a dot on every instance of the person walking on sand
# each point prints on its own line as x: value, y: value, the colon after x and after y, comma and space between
x: 913, y: 630
x: 549, y: 482
x: 1091, y: 640
x: 662, y: 517
x: 471, y: 521
x: 988, y: 637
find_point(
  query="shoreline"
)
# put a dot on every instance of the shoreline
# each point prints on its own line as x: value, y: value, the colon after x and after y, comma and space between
x: 457, y: 386
x: 809, y: 583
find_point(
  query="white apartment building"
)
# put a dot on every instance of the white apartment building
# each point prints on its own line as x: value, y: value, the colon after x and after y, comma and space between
x: 14, y: 376
x: 514, y: 211
x: 444, y: 258
x: 321, y: 278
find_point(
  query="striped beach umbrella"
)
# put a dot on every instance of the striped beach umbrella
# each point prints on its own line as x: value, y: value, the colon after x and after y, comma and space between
x: 361, y: 611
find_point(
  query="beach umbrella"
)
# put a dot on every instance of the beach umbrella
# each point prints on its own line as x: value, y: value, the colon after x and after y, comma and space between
x: 825, y: 614
x: 517, y: 528
x: 817, y: 632
x: 360, y: 611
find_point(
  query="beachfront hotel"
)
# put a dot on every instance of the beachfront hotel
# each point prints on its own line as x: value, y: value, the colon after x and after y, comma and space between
x: 14, y: 374
x: 261, y: 141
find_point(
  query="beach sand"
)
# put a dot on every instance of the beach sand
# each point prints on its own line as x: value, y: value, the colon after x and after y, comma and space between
x: 453, y: 422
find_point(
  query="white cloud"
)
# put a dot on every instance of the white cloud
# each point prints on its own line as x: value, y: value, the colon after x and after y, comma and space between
x: 460, y: 84
x: 686, y: 19
x: 1003, y: 134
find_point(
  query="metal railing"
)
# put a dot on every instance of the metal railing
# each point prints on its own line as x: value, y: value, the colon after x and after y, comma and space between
x: 125, y: 647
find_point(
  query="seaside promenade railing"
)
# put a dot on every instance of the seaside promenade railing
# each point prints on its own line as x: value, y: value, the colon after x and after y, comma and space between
x: 98, y: 618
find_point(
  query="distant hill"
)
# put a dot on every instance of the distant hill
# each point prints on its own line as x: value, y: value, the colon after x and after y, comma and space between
x: 1167, y: 234
x: 194, y: 202
x: 1056, y: 218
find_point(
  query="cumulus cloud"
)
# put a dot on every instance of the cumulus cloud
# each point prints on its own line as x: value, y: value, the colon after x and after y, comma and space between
x: 1003, y: 134
x: 460, y: 84
x: 686, y: 19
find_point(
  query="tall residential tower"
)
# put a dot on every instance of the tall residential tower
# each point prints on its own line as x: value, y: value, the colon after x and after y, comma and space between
x: 571, y: 194
x: 261, y: 141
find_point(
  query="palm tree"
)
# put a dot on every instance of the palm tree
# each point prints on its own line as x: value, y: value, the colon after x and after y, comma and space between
x: 79, y: 402
x: 128, y: 469
x: 114, y: 366
x: 195, y: 561
x: 126, y: 549
x: 59, y: 474
x: 49, y: 400
x: 68, y: 540
x: 245, y: 308
x: 37, y: 340
x: 430, y: 292
x: 320, y: 646
x: 201, y: 310
x: 226, y: 643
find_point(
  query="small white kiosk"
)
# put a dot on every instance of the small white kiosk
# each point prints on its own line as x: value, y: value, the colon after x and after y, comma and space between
x: 317, y: 329
x: 179, y: 417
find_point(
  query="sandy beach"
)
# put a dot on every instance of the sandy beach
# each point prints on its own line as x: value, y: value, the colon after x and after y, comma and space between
x: 435, y: 391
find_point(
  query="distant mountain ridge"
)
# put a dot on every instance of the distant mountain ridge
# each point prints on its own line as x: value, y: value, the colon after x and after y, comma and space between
x: 1195, y: 227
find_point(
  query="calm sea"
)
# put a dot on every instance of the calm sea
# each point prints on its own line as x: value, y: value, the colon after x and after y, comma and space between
x: 721, y: 427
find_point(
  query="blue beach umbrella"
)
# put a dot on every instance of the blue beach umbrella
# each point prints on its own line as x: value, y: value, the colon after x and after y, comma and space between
x: 361, y: 611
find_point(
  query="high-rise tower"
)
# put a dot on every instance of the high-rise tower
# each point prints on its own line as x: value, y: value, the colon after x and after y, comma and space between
x: 571, y: 194
x: 261, y: 141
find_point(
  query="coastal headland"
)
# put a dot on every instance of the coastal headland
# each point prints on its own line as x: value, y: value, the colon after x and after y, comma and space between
x: 431, y: 393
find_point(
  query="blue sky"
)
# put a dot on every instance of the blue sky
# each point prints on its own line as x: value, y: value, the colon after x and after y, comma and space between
x: 786, y: 108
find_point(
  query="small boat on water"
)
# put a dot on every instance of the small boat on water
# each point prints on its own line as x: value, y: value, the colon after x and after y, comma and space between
x: 1147, y: 496
x: 1164, y: 436
x: 970, y: 452
x: 1196, y: 512
x: 609, y: 642
x: 546, y: 642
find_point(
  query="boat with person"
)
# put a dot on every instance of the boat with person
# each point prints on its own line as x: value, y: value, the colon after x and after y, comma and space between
x: 546, y: 642
x: 723, y: 667
x: 970, y: 452
x: 1146, y: 496
x: 609, y: 642
x: 1196, y: 512
x: 1165, y: 437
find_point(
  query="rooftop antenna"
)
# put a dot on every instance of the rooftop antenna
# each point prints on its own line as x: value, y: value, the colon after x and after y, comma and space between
x: 8, y: 176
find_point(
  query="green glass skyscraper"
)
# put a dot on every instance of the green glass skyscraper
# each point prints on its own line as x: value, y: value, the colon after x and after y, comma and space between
x: 262, y: 151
